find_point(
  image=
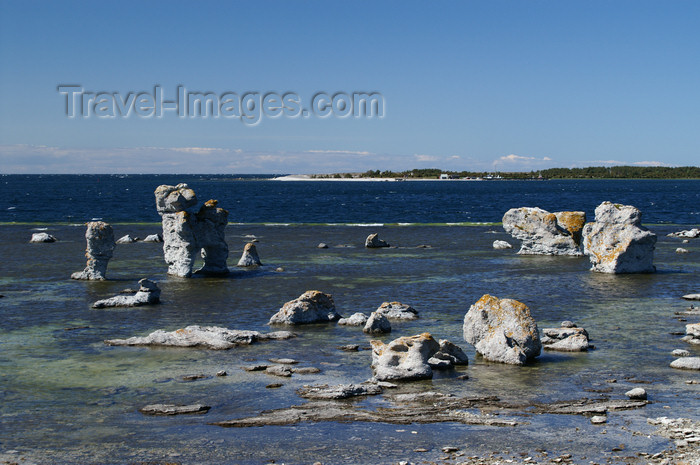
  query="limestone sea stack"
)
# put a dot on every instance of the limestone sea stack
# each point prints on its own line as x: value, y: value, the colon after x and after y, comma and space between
x: 405, y: 358
x: 617, y: 242
x: 310, y: 307
x: 188, y: 230
x: 250, y: 256
x: 502, y: 330
x: 545, y: 233
x: 100, y: 248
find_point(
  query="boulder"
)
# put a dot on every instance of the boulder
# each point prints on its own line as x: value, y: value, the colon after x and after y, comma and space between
x: 405, y: 358
x: 545, y: 233
x: 637, y: 394
x: 500, y: 245
x: 356, y: 319
x: 617, y: 242
x: 100, y: 247
x: 374, y: 242
x: 448, y: 355
x: 692, y: 332
x: 682, y: 250
x: 502, y: 330
x: 397, y: 311
x: 377, y: 324
x: 42, y: 237
x: 692, y: 297
x: 153, y: 238
x: 126, y: 239
x: 250, y: 256
x: 188, y: 230
x: 680, y: 353
x: 147, y: 294
x: 567, y: 338
x: 310, y: 307
x: 686, y: 363
x: 689, y: 233
x: 208, y: 337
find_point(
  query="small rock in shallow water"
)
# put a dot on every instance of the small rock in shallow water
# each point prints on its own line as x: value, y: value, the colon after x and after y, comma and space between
x: 310, y: 307
x: 322, y: 245
x: 169, y: 409
x: 501, y: 245
x: 284, y: 361
x: 42, y: 237
x: 377, y: 324
x: 637, y: 394
x: 374, y: 242
x: 350, y: 347
x: 599, y: 419
x: 686, y: 363
x: 279, y: 370
x: 250, y: 256
x: 356, y: 319
x: 680, y: 353
x: 126, y: 240
x: 681, y: 250
x: 148, y: 294
x: 221, y: 373
x: 274, y: 385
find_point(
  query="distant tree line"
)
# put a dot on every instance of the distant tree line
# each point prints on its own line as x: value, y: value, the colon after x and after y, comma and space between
x: 592, y: 172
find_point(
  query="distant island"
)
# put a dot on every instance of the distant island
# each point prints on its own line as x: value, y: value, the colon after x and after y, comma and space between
x: 593, y: 172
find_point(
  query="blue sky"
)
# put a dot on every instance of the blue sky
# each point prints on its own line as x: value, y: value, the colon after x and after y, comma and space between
x: 480, y: 85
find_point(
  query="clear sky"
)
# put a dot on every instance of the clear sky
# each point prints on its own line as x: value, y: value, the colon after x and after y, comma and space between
x: 473, y: 85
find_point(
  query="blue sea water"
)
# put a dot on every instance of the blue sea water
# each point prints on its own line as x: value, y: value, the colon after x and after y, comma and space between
x: 66, y: 397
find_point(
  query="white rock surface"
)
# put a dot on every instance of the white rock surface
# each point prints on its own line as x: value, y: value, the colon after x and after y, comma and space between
x: 502, y: 330
x: 397, y: 311
x: 310, y: 307
x: 686, y: 363
x: 42, y: 237
x: 545, y: 233
x: 208, y: 337
x: 100, y: 248
x: 637, y: 394
x: 126, y: 240
x: 153, y: 238
x: 689, y: 233
x: 617, y: 242
x: 405, y: 358
x: 250, y: 256
x: 449, y: 353
x: 356, y: 319
x: 374, y: 242
x: 500, y: 245
x: 692, y: 332
x: 567, y: 338
x: 681, y: 250
x: 377, y: 324
x: 692, y: 297
x: 148, y: 294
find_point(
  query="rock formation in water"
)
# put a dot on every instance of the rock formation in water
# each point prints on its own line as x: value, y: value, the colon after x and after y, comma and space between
x: 567, y: 338
x: 377, y: 324
x: 188, y: 230
x: 686, y: 363
x: 100, y: 248
x: 250, y: 256
x: 153, y: 238
x: 545, y: 233
x: 148, y: 294
x: 397, y: 311
x: 448, y: 356
x: 374, y: 242
x: 692, y: 332
x: 501, y: 245
x: 617, y: 242
x: 689, y: 233
x: 356, y: 319
x: 208, y: 337
x: 405, y: 358
x: 42, y: 237
x: 127, y: 239
x: 310, y: 307
x: 502, y: 330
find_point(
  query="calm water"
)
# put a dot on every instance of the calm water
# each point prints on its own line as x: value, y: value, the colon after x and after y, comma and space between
x: 68, y: 398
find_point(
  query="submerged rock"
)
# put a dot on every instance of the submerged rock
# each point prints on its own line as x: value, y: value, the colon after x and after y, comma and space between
x: 686, y: 363
x: 208, y: 337
x: 567, y: 338
x: 397, y: 311
x: 126, y: 239
x: 310, y: 307
x: 100, y: 247
x: 356, y: 319
x: 148, y: 294
x: 187, y: 231
x: 502, y: 330
x: 42, y: 237
x: 339, y: 391
x: 617, y: 242
x: 500, y: 245
x: 250, y: 256
x: 545, y: 233
x: 405, y: 358
x: 169, y: 409
x: 377, y: 324
x: 374, y: 242
x: 153, y: 238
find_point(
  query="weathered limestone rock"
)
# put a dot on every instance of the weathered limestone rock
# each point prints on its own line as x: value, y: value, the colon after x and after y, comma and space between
x: 153, y: 238
x: 126, y: 239
x: 377, y: 324
x: 637, y: 394
x: 187, y: 231
x: 500, y: 245
x: 339, y: 391
x: 310, y: 307
x: 208, y: 337
x: 42, y: 237
x: 617, y: 242
x: 170, y: 409
x: 693, y: 333
x: 686, y: 363
x: 448, y: 355
x: 681, y: 250
x: 502, y: 330
x: 147, y: 294
x: 374, y: 242
x: 404, y: 358
x: 567, y: 338
x: 397, y: 311
x: 692, y: 297
x: 689, y: 233
x: 250, y: 256
x: 100, y: 247
x: 356, y: 319
x: 545, y: 233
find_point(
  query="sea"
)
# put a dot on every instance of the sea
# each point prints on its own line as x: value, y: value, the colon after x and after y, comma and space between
x: 68, y: 398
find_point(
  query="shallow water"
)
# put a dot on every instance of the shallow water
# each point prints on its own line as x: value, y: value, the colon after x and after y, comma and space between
x: 68, y: 398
